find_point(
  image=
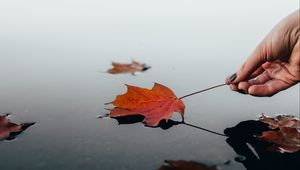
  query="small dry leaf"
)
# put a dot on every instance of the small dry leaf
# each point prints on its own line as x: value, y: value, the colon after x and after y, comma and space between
x: 185, y: 165
x: 8, y: 130
x: 131, y: 68
x: 285, y: 137
x: 281, y: 121
x: 155, y: 105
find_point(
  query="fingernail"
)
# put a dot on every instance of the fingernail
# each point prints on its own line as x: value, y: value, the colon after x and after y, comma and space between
x: 241, y: 91
x: 231, y: 78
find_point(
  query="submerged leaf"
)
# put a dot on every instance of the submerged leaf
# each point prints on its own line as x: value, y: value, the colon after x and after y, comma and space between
x: 185, y: 165
x: 256, y: 154
x: 286, y: 136
x: 155, y: 105
x: 285, y: 139
x: 132, y: 68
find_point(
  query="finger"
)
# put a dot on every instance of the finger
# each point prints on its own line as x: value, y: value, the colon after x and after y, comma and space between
x: 257, y: 72
x: 233, y: 87
x: 244, y: 86
x: 231, y: 78
x: 255, y: 60
x: 270, y: 88
x: 260, y: 79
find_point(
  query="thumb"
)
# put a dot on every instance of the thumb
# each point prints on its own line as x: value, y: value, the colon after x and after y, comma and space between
x: 254, y: 61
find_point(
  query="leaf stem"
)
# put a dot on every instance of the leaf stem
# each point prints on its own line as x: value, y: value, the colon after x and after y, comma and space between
x: 202, y: 91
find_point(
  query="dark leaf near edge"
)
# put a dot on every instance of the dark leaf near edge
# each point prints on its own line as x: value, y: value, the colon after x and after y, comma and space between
x: 284, y: 134
x: 185, y: 165
x: 9, y: 130
x: 244, y: 139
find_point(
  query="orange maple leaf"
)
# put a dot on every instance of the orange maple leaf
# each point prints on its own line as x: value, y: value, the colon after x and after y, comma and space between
x: 155, y: 105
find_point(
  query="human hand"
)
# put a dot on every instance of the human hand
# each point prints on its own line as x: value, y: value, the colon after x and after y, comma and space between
x: 275, y: 63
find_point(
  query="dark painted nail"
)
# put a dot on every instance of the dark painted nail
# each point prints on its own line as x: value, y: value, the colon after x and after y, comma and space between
x: 232, y: 77
x: 241, y: 91
x: 146, y: 68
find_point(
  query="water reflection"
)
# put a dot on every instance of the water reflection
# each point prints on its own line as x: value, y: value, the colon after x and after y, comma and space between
x: 163, y: 124
x: 254, y: 154
x: 9, y: 130
x: 139, y: 118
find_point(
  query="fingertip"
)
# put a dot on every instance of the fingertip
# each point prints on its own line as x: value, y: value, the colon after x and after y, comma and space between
x: 253, y: 90
x: 242, y: 73
x: 230, y: 79
x: 261, y: 91
x: 243, y: 86
x: 233, y: 87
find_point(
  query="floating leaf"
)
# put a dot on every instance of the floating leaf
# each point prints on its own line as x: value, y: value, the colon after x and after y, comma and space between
x: 286, y: 136
x: 8, y: 130
x: 281, y: 121
x: 132, y: 68
x: 155, y: 105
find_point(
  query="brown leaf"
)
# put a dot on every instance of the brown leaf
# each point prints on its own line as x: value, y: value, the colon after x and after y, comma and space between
x: 8, y: 130
x: 132, y: 68
x: 284, y: 140
x: 185, y: 165
x: 281, y: 121
x: 285, y: 137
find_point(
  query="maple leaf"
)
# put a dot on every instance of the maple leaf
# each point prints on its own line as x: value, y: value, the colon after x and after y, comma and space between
x: 286, y: 136
x: 8, y: 130
x: 185, y: 165
x: 155, y: 105
x: 132, y: 68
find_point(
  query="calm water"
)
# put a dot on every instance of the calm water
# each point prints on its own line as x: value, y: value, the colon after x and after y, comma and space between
x: 52, y: 55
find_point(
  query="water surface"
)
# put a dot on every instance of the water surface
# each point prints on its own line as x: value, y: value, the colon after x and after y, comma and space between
x: 52, y: 55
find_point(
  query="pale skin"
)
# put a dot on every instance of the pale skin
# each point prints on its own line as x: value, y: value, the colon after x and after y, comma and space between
x: 275, y: 63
